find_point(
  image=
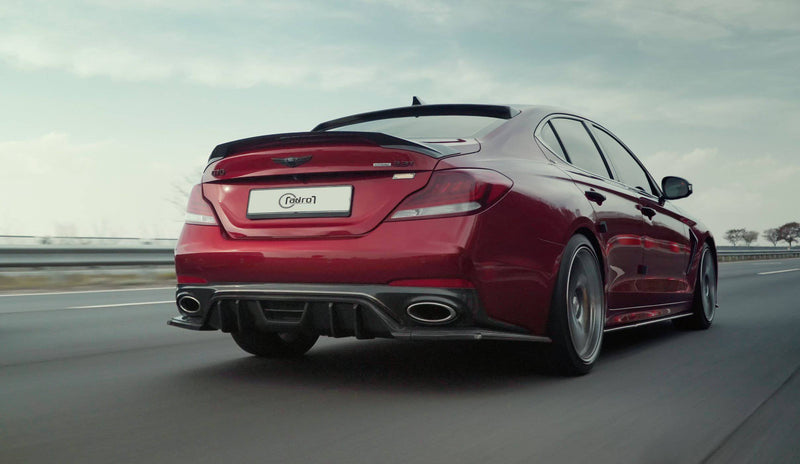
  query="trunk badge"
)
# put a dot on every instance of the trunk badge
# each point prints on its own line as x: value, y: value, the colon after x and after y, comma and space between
x: 292, y: 161
x: 396, y: 164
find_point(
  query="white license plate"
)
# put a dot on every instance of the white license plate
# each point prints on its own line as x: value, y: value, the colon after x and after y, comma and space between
x: 300, y: 202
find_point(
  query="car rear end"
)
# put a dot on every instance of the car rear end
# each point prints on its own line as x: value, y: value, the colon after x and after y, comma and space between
x: 343, y: 231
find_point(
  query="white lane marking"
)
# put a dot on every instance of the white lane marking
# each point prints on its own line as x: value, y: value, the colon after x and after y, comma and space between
x: 78, y: 292
x: 778, y: 272
x: 121, y: 304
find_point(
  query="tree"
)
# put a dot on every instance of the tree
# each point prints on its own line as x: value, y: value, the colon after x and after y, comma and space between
x: 772, y: 236
x: 789, y: 233
x: 735, y: 235
x: 749, y: 237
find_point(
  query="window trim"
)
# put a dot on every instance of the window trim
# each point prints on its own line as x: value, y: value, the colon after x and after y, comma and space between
x: 550, y: 117
x: 587, y: 125
x: 538, y: 135
x: 653, y: 185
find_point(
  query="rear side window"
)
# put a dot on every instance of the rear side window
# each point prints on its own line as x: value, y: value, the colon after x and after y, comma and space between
x: 429, y: 127
x: 549, y: 138
x: 626, y: 167
x: 581, y: 150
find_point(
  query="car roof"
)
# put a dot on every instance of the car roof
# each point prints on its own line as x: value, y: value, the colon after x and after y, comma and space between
x: 450, y: 109
x: 455, y: 109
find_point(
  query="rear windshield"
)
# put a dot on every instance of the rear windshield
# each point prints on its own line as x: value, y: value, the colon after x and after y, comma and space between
x: 429, y: 127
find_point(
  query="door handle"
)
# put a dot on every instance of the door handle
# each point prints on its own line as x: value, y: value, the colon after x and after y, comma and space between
x: 649, y: 212
x: 595, y: 196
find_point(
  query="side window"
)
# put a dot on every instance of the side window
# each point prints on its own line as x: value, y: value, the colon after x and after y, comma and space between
x: 579, y: 146
x: 549, y: 138
x: 626, y: 167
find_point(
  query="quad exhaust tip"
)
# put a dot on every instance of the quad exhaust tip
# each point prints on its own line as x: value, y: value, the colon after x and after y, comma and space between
x: 189, y: 304
x: 431, y: 312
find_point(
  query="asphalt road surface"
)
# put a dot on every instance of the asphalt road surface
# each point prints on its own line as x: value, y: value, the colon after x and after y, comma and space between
x: 99, y: 377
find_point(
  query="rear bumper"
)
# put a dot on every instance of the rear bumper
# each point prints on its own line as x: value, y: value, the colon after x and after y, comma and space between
x: 512, y: 271
x: 436, y: 248
x: 361, y: 311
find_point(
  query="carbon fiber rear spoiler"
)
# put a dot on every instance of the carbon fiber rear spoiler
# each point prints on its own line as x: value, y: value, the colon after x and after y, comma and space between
x: 298, y: 139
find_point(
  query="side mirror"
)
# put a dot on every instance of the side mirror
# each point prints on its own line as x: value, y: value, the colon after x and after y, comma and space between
x: 675, y: 187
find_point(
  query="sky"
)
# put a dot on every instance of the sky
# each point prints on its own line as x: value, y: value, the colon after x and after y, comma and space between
x: 111, y: 107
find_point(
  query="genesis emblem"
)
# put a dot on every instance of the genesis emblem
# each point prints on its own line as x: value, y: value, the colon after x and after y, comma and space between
x: 292, y: 161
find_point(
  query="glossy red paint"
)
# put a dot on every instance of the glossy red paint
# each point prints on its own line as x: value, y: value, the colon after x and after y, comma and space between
x: 436, y: 283
x: 187, y: 279
x: 509, y: 251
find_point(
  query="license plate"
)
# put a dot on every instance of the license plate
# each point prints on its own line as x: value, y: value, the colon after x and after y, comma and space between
x: 332, y: 201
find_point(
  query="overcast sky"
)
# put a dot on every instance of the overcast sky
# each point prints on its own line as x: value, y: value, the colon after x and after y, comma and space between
x: 108, y: 105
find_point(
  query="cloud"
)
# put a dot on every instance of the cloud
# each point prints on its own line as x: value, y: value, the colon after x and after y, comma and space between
x: 57, y: 183
x: 131, y: 62
x: 710, y: 74
x: 244, y: 57
x: 731, y: 193
x: 692, y: 20
x: 433, y: 10
x: 133, y: 41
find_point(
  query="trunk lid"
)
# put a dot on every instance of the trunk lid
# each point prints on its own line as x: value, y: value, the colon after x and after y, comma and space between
x: 317, y: 184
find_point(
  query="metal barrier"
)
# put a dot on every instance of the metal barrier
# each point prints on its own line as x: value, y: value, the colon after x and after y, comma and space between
x: 39, y: 257
x: 79, y: 256
x: 743, y: 255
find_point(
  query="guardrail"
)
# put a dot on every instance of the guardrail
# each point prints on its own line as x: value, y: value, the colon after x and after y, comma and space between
x: 55, y: 241
x: 38, y: 257
x: 743, y: 255
x: 77, y: 256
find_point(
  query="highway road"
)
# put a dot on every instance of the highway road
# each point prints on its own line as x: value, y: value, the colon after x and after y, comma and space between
x: 99, y: 377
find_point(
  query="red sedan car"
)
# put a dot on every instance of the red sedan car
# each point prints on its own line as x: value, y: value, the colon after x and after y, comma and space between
x: 442, y: 222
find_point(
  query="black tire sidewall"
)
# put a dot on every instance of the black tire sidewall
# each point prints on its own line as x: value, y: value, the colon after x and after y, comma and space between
x: 272, y: 345
x: 702, y: 322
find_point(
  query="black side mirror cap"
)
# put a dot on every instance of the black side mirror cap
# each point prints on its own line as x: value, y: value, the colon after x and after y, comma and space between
x: 675, y: 187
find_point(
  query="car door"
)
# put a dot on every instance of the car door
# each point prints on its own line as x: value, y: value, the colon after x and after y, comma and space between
x: 667, y: 251
x: 667, y: 242
x: 618, y: 218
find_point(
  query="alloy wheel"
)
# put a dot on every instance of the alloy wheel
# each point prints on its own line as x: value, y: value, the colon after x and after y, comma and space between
x: 585, y: 304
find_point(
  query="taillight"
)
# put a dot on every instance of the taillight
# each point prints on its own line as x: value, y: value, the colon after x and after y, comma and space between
x: 454, y: 192
x: 198, y: 211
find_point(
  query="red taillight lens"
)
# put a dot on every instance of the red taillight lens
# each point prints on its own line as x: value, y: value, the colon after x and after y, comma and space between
x: 454, y: 192
x: 198, y: 211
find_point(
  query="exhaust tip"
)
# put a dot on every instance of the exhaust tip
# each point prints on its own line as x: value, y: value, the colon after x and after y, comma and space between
x: 189, y: 304
x: 431, y: 312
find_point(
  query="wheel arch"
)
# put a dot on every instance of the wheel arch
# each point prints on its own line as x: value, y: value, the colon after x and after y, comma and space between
x: 598, y: 249
x: 710, y: 241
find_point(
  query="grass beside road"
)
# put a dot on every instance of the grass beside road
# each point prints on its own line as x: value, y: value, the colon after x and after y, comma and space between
x: 84, y: 278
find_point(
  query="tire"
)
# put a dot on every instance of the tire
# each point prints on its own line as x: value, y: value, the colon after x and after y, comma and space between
x: 704, y: 302
x: 577, y: 310
x: 274, y: 345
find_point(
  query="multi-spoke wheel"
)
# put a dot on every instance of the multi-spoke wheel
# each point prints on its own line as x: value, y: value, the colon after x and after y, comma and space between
x: 577, y: 311
x: 705, y: 294
x: 274, y: 345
